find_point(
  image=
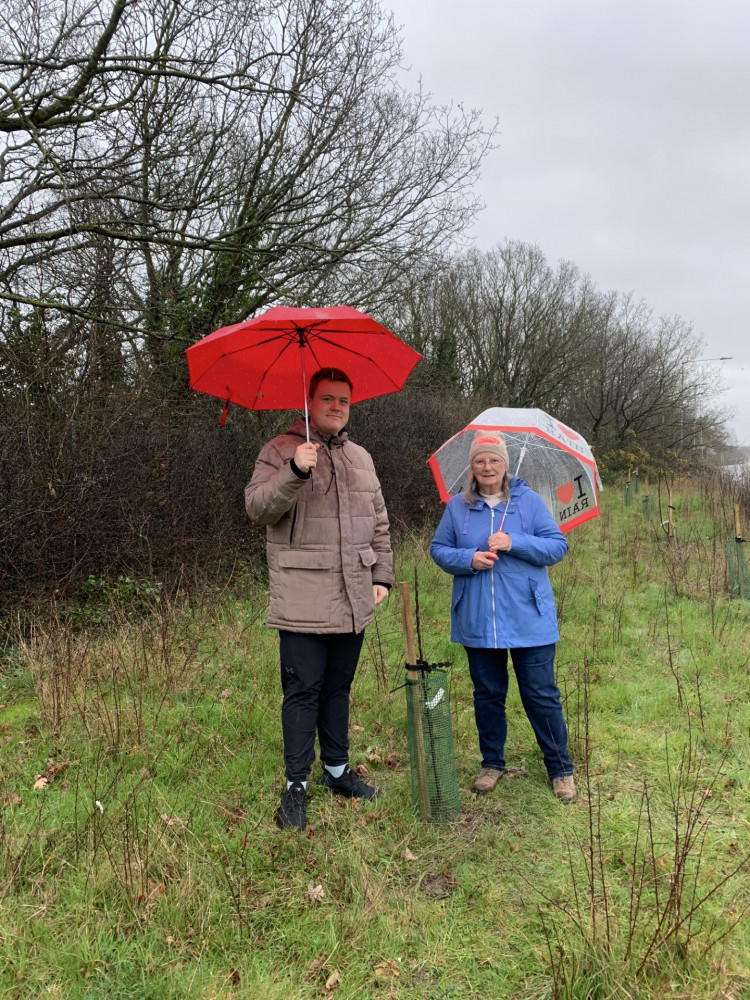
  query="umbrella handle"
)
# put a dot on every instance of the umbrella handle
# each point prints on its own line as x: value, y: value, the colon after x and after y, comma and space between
x: 304, y: 390
x: 520, y: 459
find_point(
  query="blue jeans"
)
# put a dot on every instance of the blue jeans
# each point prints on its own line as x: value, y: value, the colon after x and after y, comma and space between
x: 540, y: 696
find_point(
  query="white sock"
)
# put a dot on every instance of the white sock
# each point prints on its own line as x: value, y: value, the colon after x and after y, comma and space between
x: 290, y: 783
x: 336, y: 771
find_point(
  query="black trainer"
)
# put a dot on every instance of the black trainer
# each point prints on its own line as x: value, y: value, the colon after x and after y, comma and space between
x: 349, y: 785
x: 293, y: 809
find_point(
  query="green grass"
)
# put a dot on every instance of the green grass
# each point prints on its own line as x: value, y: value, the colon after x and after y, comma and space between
x: 182, y: 887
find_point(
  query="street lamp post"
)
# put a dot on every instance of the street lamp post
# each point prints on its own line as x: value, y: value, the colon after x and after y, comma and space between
x: 699, y: 361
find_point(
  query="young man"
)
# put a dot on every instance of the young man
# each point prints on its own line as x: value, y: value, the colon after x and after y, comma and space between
x: 330, y: 562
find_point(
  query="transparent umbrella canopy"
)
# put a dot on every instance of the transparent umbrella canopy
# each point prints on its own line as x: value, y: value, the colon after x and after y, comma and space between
x: 551, y: 457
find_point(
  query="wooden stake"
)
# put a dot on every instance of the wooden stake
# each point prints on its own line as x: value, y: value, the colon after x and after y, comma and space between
x: 740, y: 550
x: 416, y: 702
x: 670, y: 516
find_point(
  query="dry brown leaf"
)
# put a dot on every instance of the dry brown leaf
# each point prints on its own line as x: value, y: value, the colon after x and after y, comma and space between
x: 315, y: 892
x: 362, y: 770
x: 488, y: 962
x: 55, y: 767
x: 407, y: 855
x: 313, y: 968
x: 388, y: 969
x: 11, y: 799
x: 333, y: 981
x: 357, y: 729
x: 225, y: 693
x: 40, y: 781
x: 175, y: 821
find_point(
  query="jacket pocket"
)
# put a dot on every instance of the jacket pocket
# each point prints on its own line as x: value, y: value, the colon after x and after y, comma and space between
x: 305, y: 588
x: 542, y: 600
x: 367, y: 556
x: 464, y: 609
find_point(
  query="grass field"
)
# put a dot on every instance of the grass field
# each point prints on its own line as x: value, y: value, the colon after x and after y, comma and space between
x: 141, y: 766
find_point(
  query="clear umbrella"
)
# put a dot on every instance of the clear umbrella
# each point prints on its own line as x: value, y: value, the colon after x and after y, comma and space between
x: 551, y: 457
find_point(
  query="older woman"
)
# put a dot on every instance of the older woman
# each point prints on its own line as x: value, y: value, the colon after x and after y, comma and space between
x: 497, y: 540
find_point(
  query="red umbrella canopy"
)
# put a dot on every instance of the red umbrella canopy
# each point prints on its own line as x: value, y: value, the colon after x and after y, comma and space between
x: 265, y: 363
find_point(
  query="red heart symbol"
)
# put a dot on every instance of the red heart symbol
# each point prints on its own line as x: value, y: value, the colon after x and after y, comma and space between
x: 565, y: 492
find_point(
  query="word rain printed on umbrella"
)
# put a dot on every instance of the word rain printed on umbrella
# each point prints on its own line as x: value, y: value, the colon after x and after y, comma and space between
x: 551, y: 457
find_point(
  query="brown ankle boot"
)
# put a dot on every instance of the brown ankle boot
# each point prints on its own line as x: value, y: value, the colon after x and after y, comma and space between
x: 487, y: 778
x: 565, y: 788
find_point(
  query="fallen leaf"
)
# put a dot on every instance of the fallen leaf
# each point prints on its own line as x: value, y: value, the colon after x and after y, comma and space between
x: 333, y: 981
x: 55, y: 767
x: 11, y: 799
x: 357, y: 729
x: 512, y: 847
x: 175, y: 821
x: 488, y: 962
x: 315, y: 892
x: 407, y: 855
x: 225, y: 693
x: 392, y: 761
x: 41, y: 781
x: 362, y: 770
x: 388, y: 969
x: 313, y: 968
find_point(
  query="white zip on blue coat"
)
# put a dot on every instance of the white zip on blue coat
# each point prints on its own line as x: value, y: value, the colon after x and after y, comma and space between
x: 492, y: 572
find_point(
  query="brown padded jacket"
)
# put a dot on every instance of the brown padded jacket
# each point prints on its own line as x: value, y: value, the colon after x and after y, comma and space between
x: 327, y: 535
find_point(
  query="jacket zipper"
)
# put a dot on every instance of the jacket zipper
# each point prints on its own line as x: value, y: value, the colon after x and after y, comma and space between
x: 492, y: 571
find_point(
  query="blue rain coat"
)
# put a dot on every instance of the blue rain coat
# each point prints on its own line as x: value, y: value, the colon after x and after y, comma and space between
x: 512, y: 603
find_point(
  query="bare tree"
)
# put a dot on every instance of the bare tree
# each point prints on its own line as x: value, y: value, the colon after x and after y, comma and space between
x: 507, y: 328
x: 510, y: 326
x: 228, y: 155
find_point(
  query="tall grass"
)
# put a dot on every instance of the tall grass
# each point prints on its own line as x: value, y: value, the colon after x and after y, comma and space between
x: 146, y: 862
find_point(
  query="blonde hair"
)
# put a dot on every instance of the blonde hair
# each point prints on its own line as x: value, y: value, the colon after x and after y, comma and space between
x: 471, y: 494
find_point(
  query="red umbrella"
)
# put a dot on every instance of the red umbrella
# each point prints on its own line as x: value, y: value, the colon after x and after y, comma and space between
x: 264, y: 363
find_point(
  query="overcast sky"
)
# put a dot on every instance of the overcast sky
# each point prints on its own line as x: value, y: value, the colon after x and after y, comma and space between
x: 624, y: 145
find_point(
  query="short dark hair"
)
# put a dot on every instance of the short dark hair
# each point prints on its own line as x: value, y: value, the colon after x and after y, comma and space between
x: 332, y: 375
